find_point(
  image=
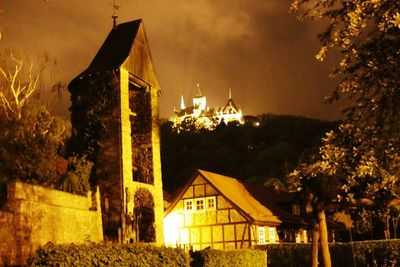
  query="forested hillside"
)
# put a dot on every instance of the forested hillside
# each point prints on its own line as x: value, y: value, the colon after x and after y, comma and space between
x: 262, y: 154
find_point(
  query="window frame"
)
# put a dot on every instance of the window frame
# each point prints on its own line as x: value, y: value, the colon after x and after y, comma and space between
x: 185, y: 205
x: 271, y: 235
x: 214, y: 201
x: 261, y: 235
x: 196, y: 205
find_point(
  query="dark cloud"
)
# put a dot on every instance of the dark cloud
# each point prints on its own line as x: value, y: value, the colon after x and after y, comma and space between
x: 254, y: 47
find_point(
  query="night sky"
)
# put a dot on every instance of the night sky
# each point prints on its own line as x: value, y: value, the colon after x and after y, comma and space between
x: 255, y: 47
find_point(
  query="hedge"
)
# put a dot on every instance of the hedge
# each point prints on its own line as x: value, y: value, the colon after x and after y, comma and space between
x: 232, y: 258
x: 101, y: 254
x: 366, y: 253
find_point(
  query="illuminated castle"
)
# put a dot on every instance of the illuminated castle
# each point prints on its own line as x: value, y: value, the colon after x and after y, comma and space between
x: 202, y: 117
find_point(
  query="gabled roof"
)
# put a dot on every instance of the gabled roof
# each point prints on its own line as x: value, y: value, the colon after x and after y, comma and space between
x: 273, y: 201
x: 115, y: 49
x: 126, y: 46
x: 236, y: 192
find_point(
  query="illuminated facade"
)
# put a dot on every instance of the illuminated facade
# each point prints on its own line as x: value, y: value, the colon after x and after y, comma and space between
x: 204, y: 117
x: 218, y: 212
x: 114, y: 115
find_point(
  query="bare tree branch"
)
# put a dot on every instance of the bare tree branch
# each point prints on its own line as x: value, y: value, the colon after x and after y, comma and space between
x: 17, y: 85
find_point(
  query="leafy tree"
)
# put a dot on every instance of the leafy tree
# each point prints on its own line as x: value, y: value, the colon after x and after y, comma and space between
x: 31, y: 146
x: 366, y: 33
x: 319, y: 184
x: 32, y: 141
x: 76, y: 180
x: 352, y: 169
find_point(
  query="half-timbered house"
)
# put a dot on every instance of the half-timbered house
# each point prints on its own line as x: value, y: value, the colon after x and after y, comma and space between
x: 219, y: 212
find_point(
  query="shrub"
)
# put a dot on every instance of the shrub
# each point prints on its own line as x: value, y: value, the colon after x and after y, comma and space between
x: 211, y: 258
x: 366, y: 253
x: 95, y: 254
x: 289, y: 254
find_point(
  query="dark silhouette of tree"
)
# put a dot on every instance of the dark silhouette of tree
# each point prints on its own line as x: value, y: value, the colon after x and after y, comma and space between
x: 247, y: 152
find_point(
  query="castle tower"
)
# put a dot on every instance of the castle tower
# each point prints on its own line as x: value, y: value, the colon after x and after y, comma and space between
x: 199, y: 102
x: 114, y: 115
x: 182, y: 103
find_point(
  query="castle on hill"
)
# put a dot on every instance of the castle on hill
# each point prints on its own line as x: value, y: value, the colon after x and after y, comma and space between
x: 203, y: 117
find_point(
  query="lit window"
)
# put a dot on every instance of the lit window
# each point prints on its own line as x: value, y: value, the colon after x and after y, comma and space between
x: 211, y: 203
x: 199, y: 204
x: 271, y: 232
x: 188, y: 205
x: 261, y: 235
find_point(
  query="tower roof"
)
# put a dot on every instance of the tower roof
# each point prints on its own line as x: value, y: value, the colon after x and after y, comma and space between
x: 115, y: 49
x: 126, y: 46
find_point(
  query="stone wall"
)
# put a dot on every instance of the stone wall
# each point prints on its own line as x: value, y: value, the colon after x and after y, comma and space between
x: 7, y: 244
x: 35, y: 216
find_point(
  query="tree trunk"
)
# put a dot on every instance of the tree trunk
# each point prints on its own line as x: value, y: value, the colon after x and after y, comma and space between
x: 387, y: 226
x: 315, y: 241
x: 323, y: 234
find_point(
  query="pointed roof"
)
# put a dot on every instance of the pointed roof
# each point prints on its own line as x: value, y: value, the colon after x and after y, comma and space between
x: 115, y: 49
x: 182, y: 103
x: 232, y: 103
x: 126, y: 46
x: 198, y: 91
x: 236, y: 192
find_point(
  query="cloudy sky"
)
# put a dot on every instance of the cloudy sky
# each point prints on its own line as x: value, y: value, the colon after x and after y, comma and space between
x: 255, y: 47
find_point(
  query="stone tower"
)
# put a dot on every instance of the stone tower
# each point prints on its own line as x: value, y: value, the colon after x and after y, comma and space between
x: 114, y: 115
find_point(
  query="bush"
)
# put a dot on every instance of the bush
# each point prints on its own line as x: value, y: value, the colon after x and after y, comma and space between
x: 289, y: 254
x: 372, y: 253
x: 94, y: 254
x: 211, y: 258
x: 366, y: 253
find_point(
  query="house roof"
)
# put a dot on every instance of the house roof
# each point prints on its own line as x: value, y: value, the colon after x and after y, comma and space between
x: 273, y: 200
x: 236, y: 192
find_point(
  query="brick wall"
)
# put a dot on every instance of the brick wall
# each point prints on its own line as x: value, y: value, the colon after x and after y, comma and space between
x: 35, y: 215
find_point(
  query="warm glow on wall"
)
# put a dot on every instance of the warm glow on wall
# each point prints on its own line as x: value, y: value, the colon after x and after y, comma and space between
x: 172, y: 223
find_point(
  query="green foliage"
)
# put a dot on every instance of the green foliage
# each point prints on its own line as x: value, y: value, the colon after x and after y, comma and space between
x: 233, y: 258
x: 76, y: 180
x: 93, y: 114
x: 200, y: 124
x: 367, y: 35
x: 93, y: 254
x: 91, y: 101
x: 355, y: 168
x: 31, y: 146
x: 290, y: 254
x: 366, y: 253
x: 247, y: 152
x: 32, y: 140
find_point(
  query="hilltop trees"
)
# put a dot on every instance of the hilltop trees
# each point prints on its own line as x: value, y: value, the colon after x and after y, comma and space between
x: 366, y: 33
x: 257, y: 154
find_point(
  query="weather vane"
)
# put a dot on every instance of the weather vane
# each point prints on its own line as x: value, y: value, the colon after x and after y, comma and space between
x: 115, y: 16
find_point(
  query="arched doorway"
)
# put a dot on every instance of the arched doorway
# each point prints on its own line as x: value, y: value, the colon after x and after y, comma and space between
x: 144, y: 216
